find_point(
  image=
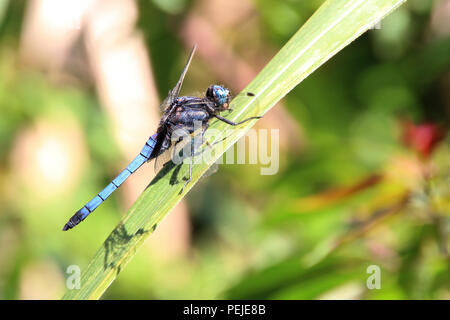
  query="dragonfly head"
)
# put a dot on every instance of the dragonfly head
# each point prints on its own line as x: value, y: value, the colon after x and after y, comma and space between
x: 219, y: 95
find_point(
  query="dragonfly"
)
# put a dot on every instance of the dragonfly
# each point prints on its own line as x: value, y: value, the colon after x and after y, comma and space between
x: 180, y: 113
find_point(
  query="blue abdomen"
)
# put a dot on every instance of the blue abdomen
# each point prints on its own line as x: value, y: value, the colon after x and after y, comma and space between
x: 141, y: 158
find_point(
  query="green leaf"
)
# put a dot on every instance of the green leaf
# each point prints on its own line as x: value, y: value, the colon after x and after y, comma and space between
x: 335, y: 24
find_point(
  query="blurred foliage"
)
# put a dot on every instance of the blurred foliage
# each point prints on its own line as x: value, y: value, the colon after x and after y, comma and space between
x: 308, y: 232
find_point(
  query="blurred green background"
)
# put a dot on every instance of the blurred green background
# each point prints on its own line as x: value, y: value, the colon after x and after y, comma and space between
x: 364, y: 175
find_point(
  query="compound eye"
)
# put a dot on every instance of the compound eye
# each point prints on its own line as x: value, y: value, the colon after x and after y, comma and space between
x: 221, y: 95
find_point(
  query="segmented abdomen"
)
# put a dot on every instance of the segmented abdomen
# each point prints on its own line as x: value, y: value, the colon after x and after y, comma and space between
x: 89, y: 207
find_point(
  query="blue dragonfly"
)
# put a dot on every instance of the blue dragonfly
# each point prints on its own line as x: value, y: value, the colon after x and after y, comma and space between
x: 180, y: 113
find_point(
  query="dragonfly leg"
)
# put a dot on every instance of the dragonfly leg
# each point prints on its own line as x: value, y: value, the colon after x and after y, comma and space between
x: 190, y: 166
x: 235, y: 123
x: 203, y: 137
x: 202, y: 140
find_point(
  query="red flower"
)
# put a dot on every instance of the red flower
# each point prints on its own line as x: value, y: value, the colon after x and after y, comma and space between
x: 423, y: 138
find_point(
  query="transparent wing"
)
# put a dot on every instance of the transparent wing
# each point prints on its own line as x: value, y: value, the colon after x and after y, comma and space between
x: 163, y: 159
x: 174, y: 93
x: 176, y: 90
x: 180, y: 150
x: 167, y: 105
x: 177, y: 151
